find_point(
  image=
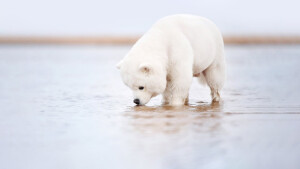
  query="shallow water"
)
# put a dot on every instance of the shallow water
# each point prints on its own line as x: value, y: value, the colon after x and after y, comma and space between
x: 65, y: 107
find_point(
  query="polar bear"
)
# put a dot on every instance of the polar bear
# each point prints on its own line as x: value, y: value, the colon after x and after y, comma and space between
x: 167, y: 57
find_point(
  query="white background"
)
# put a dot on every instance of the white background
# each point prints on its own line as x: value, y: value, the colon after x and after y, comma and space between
x: 112, y: 17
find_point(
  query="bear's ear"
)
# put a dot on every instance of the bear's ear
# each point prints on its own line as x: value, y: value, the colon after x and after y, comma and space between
x: 119, y: 64
x: 146, y: 68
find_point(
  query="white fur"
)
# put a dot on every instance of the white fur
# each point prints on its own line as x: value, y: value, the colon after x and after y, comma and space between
x: 165, y: 59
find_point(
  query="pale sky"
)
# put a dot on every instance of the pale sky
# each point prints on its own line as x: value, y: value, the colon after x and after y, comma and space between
x: 116, y: 17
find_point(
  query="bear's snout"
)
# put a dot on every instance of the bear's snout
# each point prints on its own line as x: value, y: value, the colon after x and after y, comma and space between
x: 136, y: 101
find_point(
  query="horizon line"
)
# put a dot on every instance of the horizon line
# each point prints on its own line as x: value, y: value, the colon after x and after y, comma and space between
x: 130, y: 39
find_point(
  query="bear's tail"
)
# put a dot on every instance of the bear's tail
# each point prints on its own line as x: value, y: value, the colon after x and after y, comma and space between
x: 202, y: 80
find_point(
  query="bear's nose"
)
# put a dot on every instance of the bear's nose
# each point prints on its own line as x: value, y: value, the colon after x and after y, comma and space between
x: 136, y: 101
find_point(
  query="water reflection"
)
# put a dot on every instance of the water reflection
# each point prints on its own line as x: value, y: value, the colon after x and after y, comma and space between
x: 201, y: 117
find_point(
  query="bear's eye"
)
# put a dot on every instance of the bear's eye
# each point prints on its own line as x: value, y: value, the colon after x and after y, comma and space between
x: 141, y: 87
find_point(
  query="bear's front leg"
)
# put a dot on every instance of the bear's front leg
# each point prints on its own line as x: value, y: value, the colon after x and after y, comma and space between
x: 177, y: 90
x: 180, y: 72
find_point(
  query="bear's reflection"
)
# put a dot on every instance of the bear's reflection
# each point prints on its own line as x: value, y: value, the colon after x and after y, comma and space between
x: 203, y: 117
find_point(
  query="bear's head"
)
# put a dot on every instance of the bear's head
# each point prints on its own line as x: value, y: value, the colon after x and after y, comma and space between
x: 145, y: 79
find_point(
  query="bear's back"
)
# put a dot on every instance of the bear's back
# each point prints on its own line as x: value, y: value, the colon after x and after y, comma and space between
x: 203, y: 35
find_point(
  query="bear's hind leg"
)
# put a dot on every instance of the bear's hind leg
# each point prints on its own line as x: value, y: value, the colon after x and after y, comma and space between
x: 215, y: 95
x: 215, y: 78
